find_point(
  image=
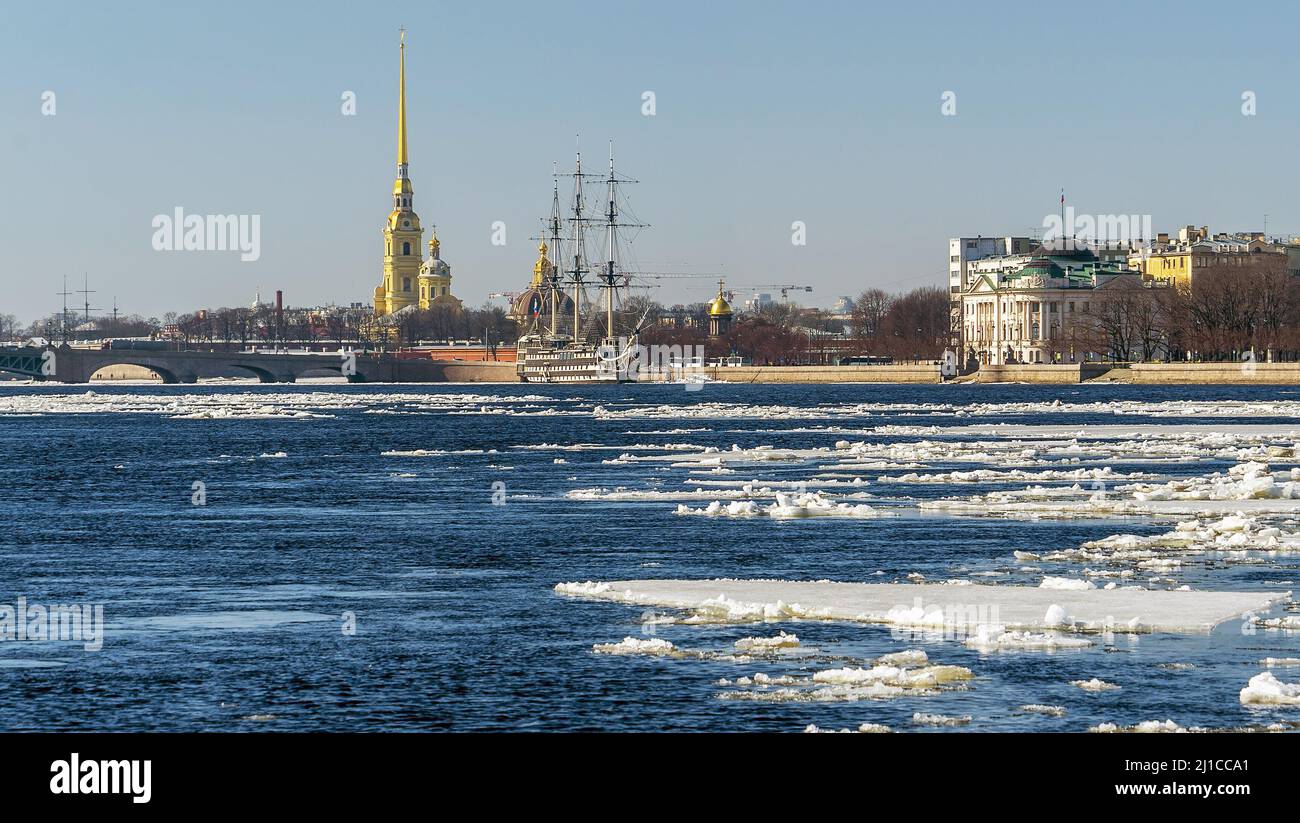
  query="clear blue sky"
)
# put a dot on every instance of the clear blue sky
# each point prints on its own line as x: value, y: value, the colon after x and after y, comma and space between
x: 767, y: 113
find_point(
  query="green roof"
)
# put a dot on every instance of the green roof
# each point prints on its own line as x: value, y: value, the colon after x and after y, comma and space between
x: 1069, y: 267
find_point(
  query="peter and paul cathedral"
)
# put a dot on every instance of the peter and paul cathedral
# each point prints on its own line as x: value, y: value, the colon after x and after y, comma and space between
x: 409, y: 281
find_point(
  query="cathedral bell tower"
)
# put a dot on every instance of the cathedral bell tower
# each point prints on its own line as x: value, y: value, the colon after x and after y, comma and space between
x: 402, y: 233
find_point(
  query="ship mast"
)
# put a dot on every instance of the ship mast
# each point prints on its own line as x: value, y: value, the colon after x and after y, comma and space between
x: 553, y: 276
x: 612, y: 225
x: 578, y: 269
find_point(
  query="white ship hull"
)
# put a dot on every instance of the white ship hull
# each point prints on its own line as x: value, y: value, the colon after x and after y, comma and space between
x: 569, y: 364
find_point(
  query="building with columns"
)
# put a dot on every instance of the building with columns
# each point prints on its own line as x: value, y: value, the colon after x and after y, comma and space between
x: 408, y: 281
x: 962, y: 251
x: 1035, y: 308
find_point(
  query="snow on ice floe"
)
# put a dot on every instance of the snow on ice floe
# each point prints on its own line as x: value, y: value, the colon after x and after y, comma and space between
x: 949, y: 411
x: 1094, y: 685
x: 264, y: 404
x: 1014, y: 476
x: 960, y: 609
x: 1066, y: 584
x: 901, y: 674
x: 865, y: 728
x: 1234, y: 538
x: 786, y: 507
x: 1266, y: 689
x: 780, y: 641
x: 633, y: 645
x: 1145, y: 727
x: 923, y: 719
x: 1039, y: 708
x: 433, y: 452
x: 994, y: 638
x: 746, y: 491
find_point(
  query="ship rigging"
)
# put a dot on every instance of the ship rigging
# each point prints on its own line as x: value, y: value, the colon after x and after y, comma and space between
x: 547, y: 353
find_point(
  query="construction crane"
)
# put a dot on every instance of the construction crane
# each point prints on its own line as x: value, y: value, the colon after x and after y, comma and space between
x: 785, y: 288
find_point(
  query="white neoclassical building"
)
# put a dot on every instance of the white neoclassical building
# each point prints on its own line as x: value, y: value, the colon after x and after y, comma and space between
x: 1033, y: 308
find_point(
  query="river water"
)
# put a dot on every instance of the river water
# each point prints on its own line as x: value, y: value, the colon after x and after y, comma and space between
x: 352, y: 557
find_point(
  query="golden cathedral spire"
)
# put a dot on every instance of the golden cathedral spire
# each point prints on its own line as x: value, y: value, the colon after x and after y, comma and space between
x: 401, y: 103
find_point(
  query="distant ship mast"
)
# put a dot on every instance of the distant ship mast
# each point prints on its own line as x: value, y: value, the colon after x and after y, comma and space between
x: 579, y: 267
x: 553, y: 276
x: 610, y: 273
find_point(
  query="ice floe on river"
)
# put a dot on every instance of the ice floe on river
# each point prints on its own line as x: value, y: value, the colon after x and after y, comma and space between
x: 909, y: 673
x: 1266, y: 689
x: 786, y: 507
x: 964, y: 609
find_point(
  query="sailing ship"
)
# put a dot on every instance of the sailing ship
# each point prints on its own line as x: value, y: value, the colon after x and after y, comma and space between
x: 558, y: 341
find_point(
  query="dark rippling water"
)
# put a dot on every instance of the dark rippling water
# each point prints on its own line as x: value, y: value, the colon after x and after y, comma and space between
x: 229, y: 616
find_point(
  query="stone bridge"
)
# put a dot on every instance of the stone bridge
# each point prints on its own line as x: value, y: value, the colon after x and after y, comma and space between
x: 68, y: 365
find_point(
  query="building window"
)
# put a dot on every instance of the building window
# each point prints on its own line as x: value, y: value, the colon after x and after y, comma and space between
x: 406, y: 284
x: 406, y: 248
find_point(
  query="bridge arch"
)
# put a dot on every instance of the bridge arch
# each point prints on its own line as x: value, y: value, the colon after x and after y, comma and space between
x: 263, y: 375
x: 165, y: 374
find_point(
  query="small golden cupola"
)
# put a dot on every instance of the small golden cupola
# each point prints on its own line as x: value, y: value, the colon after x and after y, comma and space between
x: 435, y: 277
x: 719, y: 314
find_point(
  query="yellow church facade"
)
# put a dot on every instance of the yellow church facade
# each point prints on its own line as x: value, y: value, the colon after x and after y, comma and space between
x: 408, y: 280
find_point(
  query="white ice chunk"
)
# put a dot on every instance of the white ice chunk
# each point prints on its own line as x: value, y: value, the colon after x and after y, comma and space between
x: 1265, y: 689
x: 962, y: 608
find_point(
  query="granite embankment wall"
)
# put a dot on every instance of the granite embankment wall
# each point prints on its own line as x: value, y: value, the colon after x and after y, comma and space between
x: 1147, y: 374
x: 481, y: 372
x: 1227, y: 373
x: 1040, y: 373
x: 823, y: 374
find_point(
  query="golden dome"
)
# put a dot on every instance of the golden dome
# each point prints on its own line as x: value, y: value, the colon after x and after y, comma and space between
x: 720, y: 307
